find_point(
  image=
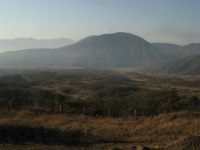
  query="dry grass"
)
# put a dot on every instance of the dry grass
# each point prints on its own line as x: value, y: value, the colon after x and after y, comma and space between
x: 152, y: 81
x: 169, y: 131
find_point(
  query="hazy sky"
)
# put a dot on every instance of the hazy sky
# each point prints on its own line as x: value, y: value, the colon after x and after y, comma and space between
x: 175, y: 21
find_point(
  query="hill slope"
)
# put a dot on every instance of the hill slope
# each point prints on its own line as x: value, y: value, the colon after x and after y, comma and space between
x: 108, y: 50
x: 168, y: 49
x: 191, y: 49
x: 173, y: 51
x: 189, y: 65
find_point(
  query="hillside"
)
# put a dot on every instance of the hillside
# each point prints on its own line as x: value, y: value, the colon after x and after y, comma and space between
x: 168, y: 49
x: 108, y: 50
x: 27, y: 43
x: 189, y: 65
x: 191, y: 49
x: 173, y: 51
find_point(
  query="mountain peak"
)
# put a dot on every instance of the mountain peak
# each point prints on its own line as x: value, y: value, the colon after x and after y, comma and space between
x: 118, y: 34
x: 117, y: 38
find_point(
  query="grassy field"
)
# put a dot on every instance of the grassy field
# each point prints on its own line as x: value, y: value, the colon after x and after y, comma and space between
x: 185, y: 84
x: 30, y: 130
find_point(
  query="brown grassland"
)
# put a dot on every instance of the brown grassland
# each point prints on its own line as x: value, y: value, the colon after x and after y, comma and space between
x: 173, y: 131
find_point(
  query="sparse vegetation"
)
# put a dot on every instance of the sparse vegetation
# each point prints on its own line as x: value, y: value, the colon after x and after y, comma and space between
x: 106, y: 93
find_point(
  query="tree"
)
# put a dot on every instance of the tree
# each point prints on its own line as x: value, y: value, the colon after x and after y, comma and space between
x: 170, y: 100
x: 193, y: 103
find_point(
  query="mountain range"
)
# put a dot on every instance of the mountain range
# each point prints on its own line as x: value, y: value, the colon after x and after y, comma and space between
x: 107, y: 50
x: 115, y: 50
x: 27, y: 43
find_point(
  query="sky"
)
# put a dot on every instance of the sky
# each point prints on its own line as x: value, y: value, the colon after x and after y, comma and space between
x: 173, y: 21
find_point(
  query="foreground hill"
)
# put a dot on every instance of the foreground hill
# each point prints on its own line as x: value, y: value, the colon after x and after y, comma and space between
x: 108, y: 50
x: 189, y: 65
x: 26, y: 43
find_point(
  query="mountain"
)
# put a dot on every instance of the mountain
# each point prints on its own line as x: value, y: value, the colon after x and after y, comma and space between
x: 173, y: 51
x: 27, y: 43
x: 168, y: 49
x: 107, y: 50
x: 191, y: 49
x: 188, y: 65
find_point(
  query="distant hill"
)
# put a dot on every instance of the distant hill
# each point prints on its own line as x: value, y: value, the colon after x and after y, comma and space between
x: 168, y: 49
x: 107, y: 50
x: 27, y: 43
x: 191, y: 49
x: 173, y: 51
x: 189, y: 65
